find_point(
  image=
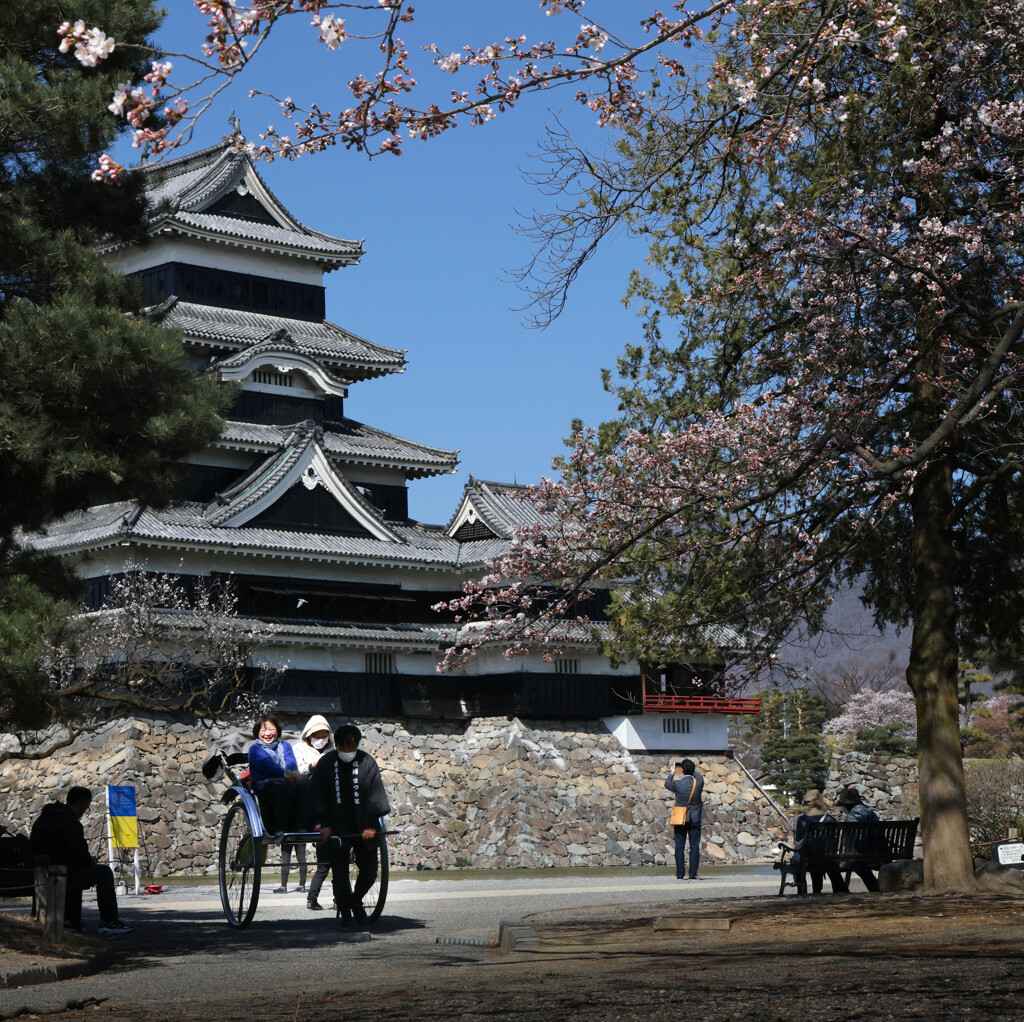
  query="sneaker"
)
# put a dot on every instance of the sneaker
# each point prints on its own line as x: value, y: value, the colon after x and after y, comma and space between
x: 314, y: 906
x: 695, y: 877
x: 115, y: 927
x: 73, y: 927
x: 301, y: 889
x: 359, y: 914
x: 281, y: 890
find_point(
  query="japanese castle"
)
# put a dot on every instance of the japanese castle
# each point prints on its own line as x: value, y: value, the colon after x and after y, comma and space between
x: 306, y: 508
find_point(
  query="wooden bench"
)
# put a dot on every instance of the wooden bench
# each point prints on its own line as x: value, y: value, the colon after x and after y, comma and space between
x: 17, y: 873
x: 840, y: 845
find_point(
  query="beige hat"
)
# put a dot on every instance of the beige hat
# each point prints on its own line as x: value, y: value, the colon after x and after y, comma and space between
x: 314, y: 724
x: 814, y: 803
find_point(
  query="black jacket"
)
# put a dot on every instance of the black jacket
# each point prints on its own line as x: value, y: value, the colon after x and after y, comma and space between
x: 337, y: 805
x: 59, y: 834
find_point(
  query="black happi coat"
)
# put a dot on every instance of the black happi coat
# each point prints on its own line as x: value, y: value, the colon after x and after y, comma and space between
x: 348, y: 797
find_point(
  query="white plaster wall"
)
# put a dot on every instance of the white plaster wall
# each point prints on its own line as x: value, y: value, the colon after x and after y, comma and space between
x: 234, y: 259
x: 645, y: 732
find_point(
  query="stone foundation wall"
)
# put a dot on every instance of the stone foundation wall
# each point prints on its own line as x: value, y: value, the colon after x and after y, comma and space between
x: 486, y: 793
x: 886, y: 783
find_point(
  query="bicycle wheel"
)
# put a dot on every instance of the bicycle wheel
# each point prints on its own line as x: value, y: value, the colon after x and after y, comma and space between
x: 374, y: 898
x: 239, y: 868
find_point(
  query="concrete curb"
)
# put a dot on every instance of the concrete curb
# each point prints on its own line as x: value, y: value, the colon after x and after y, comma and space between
x: 72, y: 968
x: 514, y: 936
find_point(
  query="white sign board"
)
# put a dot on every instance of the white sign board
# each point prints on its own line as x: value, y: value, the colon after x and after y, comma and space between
x: 1010, y: 853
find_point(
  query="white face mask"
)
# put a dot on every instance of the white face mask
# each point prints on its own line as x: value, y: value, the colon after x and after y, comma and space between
x: 346, y: 757
x: 319, y: 743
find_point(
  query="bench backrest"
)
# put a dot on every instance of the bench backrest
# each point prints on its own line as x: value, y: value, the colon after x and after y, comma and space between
x: 17, y: 876
x: 874, y: 841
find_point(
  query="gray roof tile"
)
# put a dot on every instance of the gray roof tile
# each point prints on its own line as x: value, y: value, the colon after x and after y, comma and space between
x: 350, y: 442
x: 181, y: 189
x: 237, y: 330
x: 502, y: 506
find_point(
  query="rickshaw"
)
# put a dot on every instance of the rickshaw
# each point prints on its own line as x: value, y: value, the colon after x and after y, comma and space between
x: 244, y: 847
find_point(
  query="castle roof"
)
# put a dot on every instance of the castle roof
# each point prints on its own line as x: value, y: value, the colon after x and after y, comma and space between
x: 184, y: 528
x: 194, y: 196
x: 348, y: 441
x: 235, y: 330
x: 496, y: 508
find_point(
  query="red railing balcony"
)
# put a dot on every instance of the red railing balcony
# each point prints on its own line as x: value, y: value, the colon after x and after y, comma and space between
x: 656, y: 702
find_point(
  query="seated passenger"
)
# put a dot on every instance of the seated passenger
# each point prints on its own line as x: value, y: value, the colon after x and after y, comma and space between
x: 274, y: 775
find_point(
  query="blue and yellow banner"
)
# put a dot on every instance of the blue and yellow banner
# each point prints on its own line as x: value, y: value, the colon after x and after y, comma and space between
x: 124, y: 819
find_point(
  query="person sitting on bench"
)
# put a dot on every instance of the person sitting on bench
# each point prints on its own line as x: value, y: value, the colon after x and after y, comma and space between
x: 814, y: 808
x: 58, y: 834
x: 856, y: 812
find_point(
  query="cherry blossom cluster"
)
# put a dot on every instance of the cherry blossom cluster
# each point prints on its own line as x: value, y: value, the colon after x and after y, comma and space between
x: 91, y: 45
x: 610, y: 75
x: 875, y: 709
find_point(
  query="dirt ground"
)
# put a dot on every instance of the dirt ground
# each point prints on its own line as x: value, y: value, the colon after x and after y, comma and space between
x: 856, y: 957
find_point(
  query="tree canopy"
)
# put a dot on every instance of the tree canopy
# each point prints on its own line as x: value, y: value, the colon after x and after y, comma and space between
x: 94, y: 403
x: 828, y: 385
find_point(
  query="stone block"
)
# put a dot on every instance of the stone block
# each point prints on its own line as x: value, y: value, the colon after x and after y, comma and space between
x: 992, y: 876
x: 902, y: 875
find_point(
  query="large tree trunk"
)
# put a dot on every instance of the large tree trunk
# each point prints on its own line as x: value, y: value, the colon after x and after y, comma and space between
x: 932, y: 675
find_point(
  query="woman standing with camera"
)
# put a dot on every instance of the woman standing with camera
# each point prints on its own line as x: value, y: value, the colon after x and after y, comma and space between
x: 687, y: 815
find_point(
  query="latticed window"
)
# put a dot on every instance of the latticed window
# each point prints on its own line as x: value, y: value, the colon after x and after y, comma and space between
x: 676, y: 725
x: 380, y: 663
x: 272, y: 378
x: 566, y: 666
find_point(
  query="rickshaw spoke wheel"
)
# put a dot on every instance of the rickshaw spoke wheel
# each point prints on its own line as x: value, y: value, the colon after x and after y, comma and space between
x: 239, y: 868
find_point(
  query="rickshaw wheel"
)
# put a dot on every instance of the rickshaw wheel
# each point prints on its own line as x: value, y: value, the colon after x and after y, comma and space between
x: 239, y: 868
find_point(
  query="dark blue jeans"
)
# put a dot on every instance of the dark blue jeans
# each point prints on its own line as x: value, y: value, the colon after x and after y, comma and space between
x: 693, y: 830
x: 99, y: 876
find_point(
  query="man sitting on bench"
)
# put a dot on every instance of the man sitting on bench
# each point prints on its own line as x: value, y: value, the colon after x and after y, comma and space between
x: 59, y: 835
x: 856, y: 812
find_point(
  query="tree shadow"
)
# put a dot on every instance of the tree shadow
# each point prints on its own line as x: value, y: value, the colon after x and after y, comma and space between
x: 165, y: 934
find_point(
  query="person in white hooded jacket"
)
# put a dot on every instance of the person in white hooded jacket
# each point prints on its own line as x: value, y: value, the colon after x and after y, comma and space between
x: 316, y: 739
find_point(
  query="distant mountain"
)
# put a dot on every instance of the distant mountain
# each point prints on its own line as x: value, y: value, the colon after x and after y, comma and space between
x: 851, y: 646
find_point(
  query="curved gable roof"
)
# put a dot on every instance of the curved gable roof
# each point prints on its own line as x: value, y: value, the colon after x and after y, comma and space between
x: 182, y: 191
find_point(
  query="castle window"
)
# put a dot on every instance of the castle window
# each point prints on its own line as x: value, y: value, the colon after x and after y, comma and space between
x: 273, y: 379
x: 564, y: 666
x: 676, y: 725
x: 380, y: 663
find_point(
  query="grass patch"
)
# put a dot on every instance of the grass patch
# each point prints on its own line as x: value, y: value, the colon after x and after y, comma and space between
x: 23, y: 936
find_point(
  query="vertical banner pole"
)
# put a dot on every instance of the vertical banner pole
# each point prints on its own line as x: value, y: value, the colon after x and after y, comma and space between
x: 123, y: 821
x: 110, y: 835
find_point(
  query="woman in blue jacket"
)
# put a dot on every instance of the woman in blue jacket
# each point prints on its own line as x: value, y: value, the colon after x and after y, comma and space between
x: 275, y: 776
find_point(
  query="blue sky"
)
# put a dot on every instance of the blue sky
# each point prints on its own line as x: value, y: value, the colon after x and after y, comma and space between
x: 436, y: 223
